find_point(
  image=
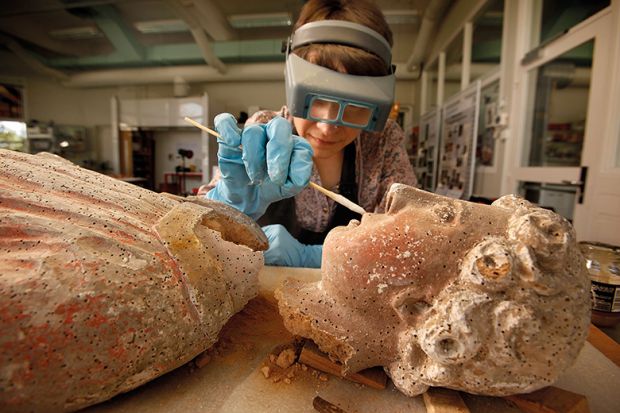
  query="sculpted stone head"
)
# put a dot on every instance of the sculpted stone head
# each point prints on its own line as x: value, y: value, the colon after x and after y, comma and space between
x: 489, y: 299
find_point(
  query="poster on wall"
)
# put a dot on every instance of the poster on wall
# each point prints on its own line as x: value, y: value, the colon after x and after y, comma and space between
x: 426, y: 160
x: 11, y: 102
x: 458, y: 143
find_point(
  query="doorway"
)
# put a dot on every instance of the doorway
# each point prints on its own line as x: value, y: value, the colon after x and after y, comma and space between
x: 562, y: 128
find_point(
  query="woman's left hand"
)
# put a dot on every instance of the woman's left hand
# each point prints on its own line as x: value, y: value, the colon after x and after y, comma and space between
x: 284, y: 250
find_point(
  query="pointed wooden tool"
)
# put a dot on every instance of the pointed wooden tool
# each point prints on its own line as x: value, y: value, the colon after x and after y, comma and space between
x: 336, y: 197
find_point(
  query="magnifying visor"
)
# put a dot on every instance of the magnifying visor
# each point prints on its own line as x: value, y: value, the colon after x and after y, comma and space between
x: 320, y: 94
x: 333, y: 110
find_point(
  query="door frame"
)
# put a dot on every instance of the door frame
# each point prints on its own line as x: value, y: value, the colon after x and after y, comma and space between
x: 598, y: 218
x: 599, y: 28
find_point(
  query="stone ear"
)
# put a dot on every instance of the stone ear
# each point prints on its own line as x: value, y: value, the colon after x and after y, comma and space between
x: 410, y: 305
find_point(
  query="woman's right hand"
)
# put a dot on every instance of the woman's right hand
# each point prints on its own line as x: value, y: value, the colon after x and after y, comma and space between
x: 260, y: 165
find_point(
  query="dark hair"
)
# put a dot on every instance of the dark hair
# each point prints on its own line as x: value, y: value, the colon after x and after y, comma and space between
x: 339, y: 57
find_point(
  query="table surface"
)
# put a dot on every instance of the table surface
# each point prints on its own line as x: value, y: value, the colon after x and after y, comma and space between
x: 232, y: 382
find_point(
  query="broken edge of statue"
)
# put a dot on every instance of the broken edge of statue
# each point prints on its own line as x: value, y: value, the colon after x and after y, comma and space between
x: 105, y: 285
x: 488, y: 299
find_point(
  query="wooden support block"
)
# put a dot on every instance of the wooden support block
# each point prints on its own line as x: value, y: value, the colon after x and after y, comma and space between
x: 551, y: 400
x: 440, y: 400
x: 605, y: 344
x: 313, y: 357
x: 323, y: 406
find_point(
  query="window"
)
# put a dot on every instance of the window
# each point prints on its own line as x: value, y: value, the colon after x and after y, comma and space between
x: 558, y: 16
x: 13, y: 136
x: 487, y: 40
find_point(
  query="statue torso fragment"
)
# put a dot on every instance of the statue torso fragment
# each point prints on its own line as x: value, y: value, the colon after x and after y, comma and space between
x: 105, y: 285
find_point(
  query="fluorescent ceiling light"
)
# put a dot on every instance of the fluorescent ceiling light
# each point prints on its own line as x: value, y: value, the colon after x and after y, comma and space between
x: 395, y: 17
x: 246, y: 21
x: 85, y: 32
x: 161, y: 26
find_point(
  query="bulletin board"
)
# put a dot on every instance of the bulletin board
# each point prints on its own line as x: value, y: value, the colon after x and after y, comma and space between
x: 457, y: 156
x: 428, y: 150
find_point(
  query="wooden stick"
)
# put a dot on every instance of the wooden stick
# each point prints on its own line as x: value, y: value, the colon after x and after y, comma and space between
x: 323, y: 406
x: 339, y: 198
x: 605, y: 344
x: 313, y: 357
x: 336, y: 197
x: 440, y: 400
x: 551, y: 400
x: 204, y: 128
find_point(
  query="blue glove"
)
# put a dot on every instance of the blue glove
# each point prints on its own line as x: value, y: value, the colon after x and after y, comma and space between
x: 271, y: 164
x: 286, y: 251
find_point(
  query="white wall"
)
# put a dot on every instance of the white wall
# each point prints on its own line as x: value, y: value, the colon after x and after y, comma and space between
x: 48, y: 100
x: 239, y: 96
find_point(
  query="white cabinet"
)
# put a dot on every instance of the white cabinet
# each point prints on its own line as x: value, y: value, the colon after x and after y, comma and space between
x: 128, y: 113
x: 191, y: 107
x: 154, y: 112
x: 161, y: 111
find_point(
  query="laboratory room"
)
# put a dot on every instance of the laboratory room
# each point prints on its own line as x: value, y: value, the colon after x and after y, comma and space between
x: 296, y: 206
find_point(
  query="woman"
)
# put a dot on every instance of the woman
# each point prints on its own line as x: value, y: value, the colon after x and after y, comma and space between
x: 333, y: 131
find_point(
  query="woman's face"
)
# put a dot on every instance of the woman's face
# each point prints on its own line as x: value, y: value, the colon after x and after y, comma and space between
x: 327, y: 140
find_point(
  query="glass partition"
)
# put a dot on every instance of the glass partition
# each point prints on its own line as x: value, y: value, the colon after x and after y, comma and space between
x: 559, y: 93
x: 454, y: 66
x: 431, y: 93
x: 487, y: 40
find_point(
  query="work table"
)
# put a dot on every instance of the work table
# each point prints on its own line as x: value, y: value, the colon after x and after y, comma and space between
x: 232, y: 382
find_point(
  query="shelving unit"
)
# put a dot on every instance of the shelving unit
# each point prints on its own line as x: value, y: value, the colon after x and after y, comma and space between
x: 137, y: 148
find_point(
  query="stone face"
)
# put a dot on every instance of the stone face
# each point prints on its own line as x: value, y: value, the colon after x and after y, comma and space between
x: 105, y: 285
x: 486, y: 299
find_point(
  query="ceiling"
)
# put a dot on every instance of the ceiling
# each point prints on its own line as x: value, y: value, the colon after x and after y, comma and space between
x: 63, y: 38
x: 106, y: 42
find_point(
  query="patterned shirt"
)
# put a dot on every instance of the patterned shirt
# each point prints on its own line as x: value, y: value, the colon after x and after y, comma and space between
x: 380, y: 161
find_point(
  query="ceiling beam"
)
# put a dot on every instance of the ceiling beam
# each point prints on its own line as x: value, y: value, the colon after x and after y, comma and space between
x: 188, y: 14
x: 196, y: 73
x: 36, y: 34
x: 182, y: 53
x: 452, y: 25
x: 213, y: 20
x: 21, y: 8
x: 430, y: 21
x: 118, y: 33
x: 31, y: 60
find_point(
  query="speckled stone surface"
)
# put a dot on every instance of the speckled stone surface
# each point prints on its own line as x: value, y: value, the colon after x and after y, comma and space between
x: 491, y: 300
x: 105, y: 285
